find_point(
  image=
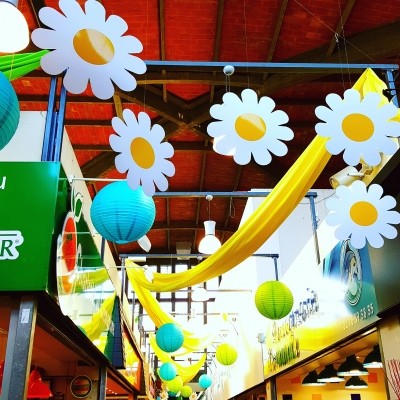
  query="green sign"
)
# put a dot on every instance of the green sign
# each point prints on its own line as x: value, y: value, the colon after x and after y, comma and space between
x: 28, y: 197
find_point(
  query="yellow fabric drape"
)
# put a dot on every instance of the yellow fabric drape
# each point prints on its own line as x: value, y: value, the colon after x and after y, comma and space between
x: 267, y: 217
x: 192, y: 341
x: 187, y: 373
x: 99, y: 323
x: 93, y: 278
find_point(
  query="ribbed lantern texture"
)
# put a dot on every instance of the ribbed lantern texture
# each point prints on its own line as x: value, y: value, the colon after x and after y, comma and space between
x: 226, y: 354
x: 169, y: 337
x: 175, y: 385
x: 122, y: 215
x: 9, y: 111
x: 186, y: 391
x: 167, y: 371
x: 205, y: 381
x: 274, y: 300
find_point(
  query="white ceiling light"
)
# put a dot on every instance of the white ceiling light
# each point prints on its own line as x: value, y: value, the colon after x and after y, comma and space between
x: 210, y: 243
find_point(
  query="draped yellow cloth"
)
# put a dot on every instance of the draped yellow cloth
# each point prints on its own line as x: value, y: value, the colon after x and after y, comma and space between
x: 265, y: 220
x: 100, y: 320
x: 187, y: 373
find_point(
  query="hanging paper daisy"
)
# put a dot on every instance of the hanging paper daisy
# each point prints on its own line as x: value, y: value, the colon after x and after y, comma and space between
x: 360, y: 127
x: 249, y: 126
x: 88, y: 47
x: 362, y: 214
x: 141, y: 152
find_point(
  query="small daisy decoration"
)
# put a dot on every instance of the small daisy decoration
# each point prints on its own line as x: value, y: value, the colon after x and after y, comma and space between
x: 358, y: 126
x: 88, y: 47
x: 142, y: 152
x: 362, y: 214
x: 248, y: 126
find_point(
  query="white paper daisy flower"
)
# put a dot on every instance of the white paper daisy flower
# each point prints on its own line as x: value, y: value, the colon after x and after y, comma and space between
x: 249, y: 126
x: 362, y: 214
x: 88, y: 47
x: 141, y: 152
x: 360, y: 127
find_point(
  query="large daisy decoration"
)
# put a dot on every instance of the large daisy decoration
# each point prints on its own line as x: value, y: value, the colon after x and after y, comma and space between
x: 142, y: 152
x: 360, y: 127
x: 249, y: 127
x: 88, y: 48
x: 362, y: 214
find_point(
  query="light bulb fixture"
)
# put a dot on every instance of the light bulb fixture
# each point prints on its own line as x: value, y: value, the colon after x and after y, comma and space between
x: 210, y: 243
x: 329, y: 375
x: 14, y: 31
x: 355, y: 382
x: 351, y: 367
x: 311, y: 379
x: 373, y: 359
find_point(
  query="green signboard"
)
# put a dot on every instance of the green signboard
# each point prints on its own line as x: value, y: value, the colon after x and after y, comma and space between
x: 28, y: 197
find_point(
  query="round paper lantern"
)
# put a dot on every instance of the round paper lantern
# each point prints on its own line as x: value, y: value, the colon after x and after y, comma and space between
x: 274, y: 299
x: 167, y: 371
x: 205, y: 381
x: 186, y: 391
x: 169, y: 337
x: 175, y: 385
x: 9, y: 111
x: 122, y: 215
x: 226, y: 354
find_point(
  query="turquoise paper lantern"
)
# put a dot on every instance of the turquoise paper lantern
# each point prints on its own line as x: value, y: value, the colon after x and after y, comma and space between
x: 9, y: 111
x: 167, y: 371
x: 169, y: 337
x: 122, y: 215
x: 205, y: 381
x: 274, y: 300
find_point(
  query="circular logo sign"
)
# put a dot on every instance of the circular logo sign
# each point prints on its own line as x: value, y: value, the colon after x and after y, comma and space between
x: 81, y: 386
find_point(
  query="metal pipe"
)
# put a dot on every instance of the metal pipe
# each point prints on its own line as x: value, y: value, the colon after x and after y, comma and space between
x: 171, y: 255
x: 262, y: 66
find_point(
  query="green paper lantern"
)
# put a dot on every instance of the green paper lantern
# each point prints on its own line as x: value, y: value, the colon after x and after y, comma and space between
x: 9, y: 111
x: 122, y: 215
x: 205, y: 381
x: 274, y: 300
x: 169, y: 337
x: 175, y: 385
x: 167, y: 371
x: 186, y: 391
x: 226, y: 354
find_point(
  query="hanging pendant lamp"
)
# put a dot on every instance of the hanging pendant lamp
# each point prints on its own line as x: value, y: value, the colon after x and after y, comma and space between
x: 210, y: 243
x: 355, y: 382
x: 373, y: 359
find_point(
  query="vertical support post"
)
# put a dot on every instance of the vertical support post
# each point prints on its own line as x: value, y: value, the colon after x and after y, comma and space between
x: 19, y: 349
x: 314, y: 228
x: 50, y: 120
x: 391, y: 86
x: 276, y: 267
x: 60, y: 125
x: 102, y: 382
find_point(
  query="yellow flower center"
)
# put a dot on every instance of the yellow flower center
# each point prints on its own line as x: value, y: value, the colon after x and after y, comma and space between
x: 363, y: 213
x: 250, y: 126
x: 358, y: 127
x: 142, y: 153
x: 93, y: 46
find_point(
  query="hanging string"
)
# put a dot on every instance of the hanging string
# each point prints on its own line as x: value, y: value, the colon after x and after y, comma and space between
x: 329, y: 28
x: 245, y: 43
x: 231, y: 208
x: 344, y: 43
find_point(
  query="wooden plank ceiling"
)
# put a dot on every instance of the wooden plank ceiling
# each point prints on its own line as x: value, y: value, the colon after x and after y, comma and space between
x: 179, y: 98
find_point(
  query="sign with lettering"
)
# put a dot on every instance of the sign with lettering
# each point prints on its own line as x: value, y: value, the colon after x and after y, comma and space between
x: 28, y: 198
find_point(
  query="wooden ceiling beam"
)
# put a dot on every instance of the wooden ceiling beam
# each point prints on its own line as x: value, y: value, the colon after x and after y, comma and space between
x: 99, y: 165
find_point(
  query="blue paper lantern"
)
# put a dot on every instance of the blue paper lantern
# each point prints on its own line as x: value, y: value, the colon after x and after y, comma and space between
x: 167, y: 371
x: 122, y: 215
x: 169, y: 337
x: 9, y: 111
x: 205, y: 381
